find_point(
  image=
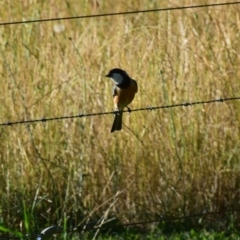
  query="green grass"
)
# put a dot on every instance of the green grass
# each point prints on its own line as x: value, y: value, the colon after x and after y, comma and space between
x: 202, y: 235
x: 169, y: 162
x: 152, y: 235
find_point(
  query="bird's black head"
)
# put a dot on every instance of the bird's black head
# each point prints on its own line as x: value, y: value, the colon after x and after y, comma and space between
x: 117, y: 71
x: 119, y: 77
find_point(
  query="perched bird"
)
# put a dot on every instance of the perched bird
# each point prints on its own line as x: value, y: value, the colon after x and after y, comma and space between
x: 123, y: 94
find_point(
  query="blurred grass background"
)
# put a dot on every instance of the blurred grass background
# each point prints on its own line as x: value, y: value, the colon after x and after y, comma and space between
x: 170, y: 162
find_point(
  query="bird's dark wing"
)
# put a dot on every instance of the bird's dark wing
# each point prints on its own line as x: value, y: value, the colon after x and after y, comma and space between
x: 135, y: 83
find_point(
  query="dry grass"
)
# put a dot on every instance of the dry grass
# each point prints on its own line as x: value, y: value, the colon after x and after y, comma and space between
x: 167, y: 162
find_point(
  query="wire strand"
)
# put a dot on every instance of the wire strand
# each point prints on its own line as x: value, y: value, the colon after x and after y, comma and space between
x: 48, y: 232
x: 166, y: 219
x: 120, y: 13
x: 186, y: 104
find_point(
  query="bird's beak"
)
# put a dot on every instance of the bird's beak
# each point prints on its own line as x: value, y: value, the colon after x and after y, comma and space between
x: 108, y: 75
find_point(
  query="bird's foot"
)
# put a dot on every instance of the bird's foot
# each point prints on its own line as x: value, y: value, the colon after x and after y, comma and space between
x: 129, y: 110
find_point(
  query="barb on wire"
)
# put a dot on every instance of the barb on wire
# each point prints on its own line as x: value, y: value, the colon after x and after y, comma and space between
x: 121, y: 13
x: 186, y: 104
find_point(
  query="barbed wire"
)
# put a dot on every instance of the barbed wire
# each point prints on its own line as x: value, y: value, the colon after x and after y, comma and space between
x: 150, y: 108
x: 120, y: 13
x: 50, y: 231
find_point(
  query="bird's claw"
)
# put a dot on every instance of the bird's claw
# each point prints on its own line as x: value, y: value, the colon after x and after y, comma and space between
x: 129, y: 110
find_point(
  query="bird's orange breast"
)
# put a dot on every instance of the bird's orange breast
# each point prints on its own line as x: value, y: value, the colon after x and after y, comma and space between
x: 124, y: 96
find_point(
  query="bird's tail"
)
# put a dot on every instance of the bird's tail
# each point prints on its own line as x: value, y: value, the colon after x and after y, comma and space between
x: 117, y: 123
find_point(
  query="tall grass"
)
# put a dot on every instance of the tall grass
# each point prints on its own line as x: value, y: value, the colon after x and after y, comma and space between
x: 170, y: 162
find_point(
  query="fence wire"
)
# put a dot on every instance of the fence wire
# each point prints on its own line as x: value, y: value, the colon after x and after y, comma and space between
x: 50, y: 231
x: 149, y: 108
x: 121, y: 13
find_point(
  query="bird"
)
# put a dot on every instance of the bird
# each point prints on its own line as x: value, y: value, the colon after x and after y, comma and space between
x: 124, y: 92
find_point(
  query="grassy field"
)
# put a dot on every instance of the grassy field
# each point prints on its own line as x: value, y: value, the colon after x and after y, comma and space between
x: 164, y: 163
